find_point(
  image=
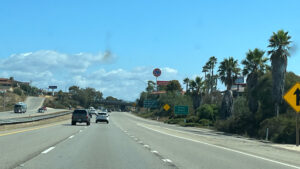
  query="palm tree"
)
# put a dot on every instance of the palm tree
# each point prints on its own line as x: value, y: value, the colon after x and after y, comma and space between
x: 228, y: 73
x: 196, y: 94
x: 199, y: 84
x: 192, y: 85
x: 205, y: 70
x: 255, y: 66
x: 279, y: 44
x: 186, y: 81
x: 212, y: 62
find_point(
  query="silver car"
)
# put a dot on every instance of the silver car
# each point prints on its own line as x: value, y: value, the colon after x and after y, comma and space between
x: 102, y: 117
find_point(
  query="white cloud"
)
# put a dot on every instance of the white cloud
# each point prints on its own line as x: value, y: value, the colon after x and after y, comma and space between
x: 48, y: 67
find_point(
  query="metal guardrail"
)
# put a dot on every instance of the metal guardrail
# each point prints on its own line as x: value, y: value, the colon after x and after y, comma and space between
x: 32, y: 118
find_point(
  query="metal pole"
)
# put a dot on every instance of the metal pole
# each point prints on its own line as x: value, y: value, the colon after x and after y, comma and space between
x: 267, y: 134
x: 297, y: 131
x: 156, y: 85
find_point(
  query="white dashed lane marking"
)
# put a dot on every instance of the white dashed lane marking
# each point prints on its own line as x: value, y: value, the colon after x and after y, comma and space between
x: 71, y: 136
x: 48, y: 150
x: 154, y: 151
x: 167, y: 160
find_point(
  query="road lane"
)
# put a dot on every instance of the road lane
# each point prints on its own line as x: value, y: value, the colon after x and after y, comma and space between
x: 131, y: 142
x: 190, y: 152
x: 17, y: 147
x: 98, y: 146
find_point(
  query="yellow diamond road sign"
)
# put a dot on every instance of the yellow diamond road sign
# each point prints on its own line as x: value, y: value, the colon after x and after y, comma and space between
x: 293, y: 97
x: 166, y: 107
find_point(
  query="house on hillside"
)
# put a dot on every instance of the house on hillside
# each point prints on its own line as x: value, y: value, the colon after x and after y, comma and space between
x: 8, y: 84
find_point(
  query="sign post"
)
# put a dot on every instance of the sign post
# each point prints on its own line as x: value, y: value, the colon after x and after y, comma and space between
x: 292, y: 97
x: 156, y: 73
x: 181, y: 110
x: 150, y: 104
x: 297, y: 131
x: 52, y: 87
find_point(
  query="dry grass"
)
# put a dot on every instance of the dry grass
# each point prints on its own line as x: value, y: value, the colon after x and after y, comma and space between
x: 10, y: 100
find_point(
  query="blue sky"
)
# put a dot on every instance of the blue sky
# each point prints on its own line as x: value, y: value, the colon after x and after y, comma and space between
x: 177, y: 36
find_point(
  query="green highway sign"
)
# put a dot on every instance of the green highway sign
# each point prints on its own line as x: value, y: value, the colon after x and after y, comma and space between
x: 181, y: 110
x: 150, y: 104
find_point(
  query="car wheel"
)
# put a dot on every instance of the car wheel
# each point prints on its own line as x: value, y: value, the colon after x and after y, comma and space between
x: 73, y: 123
x: 88, y: 123
x: 107, y: 122
x: 96, y: 121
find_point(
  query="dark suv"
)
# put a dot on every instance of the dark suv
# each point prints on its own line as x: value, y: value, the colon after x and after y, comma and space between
x: 81, y: 116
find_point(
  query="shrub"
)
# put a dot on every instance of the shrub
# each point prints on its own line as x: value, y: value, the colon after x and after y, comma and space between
x: 240, y: 106
x: 205, y: 122
x: 207, y: 111
x: 281, y: 130
x: 192, y: 119
x: 188, y: 124
x: 174, y: 121
x: 18, y: 91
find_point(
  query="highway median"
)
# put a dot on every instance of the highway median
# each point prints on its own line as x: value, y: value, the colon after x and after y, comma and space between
x: 15, y: 123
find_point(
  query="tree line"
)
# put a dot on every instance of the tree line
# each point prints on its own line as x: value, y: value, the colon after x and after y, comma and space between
x: 261, y: 105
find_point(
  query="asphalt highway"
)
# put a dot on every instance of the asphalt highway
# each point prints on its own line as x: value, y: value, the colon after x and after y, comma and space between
x: 129, y: 142
x: 33, y: 104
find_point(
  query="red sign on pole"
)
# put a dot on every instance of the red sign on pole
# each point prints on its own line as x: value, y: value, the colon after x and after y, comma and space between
x: 156, y: 72
x: 163, y: 83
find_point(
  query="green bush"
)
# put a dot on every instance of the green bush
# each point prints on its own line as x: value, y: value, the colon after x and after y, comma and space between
x: 207, y: 111
x: 205, y: 122
x: 243, y: 124
x: 240, y: 106
x: 192, y: 119
x: 281, y: 130
x: 174, y: 121
x: 18, y: 91
x: 182, y: 123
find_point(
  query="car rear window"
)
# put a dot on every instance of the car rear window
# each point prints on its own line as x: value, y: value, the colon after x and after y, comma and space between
x: 102, y: 113
x: 79, y: 112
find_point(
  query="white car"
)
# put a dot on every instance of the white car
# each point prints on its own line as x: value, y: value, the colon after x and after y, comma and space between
x: 102, y: 117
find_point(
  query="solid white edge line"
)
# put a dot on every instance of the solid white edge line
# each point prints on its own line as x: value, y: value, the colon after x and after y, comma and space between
x: 49, y: 149
x: 224, y: 148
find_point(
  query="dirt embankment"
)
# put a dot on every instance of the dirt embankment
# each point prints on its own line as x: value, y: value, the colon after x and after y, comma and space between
x: 8, y: 100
